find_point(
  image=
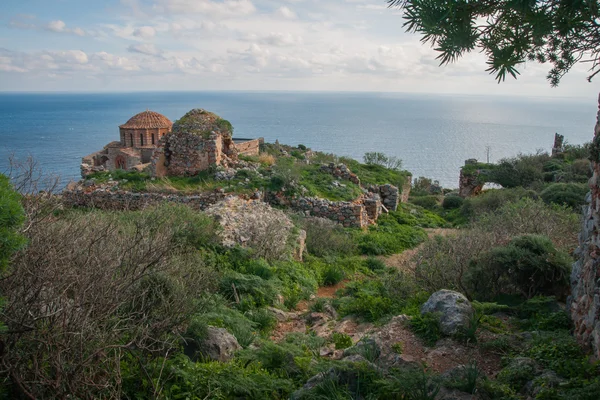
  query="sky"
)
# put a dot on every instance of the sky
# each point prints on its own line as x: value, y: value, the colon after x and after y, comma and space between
x: 257, y: 45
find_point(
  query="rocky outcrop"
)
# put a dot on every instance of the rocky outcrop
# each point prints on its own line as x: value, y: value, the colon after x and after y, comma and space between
x: 254, y: 224
x: 584, y: 302
x: 219, y: 345
x: 454, y: 309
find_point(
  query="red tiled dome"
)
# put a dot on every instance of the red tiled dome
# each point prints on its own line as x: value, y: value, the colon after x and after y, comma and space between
x: 147, y: 120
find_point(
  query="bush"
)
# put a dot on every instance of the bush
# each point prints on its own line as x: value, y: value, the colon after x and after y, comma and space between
x: 251, y: 291
x: 427, y: 327
x: 381, y: 159
x: 389, y: 237
x: 326, y: 238
x: 341, y: 340
x: 12, y: 217
x: 427, y: 202
x: 333, y: 274
x: 493, y: 199
x: 567, y: 194
x: 108, y: 279
x: 452, y: 202
x: 375, y: 264
x: 366, y: 299
x: 528, y: 266
x: 413, y: 215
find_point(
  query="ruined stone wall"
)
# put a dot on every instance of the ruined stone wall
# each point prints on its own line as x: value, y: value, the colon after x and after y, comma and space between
x: 346, y: 213
x: 341, y: 171
x: 249, y: 148
x: 584, y: 302
x: 106, y: 199
x: 406, y: 188
x: 469, y: 184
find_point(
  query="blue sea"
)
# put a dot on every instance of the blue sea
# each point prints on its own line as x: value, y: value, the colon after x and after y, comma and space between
x: 432, y: 134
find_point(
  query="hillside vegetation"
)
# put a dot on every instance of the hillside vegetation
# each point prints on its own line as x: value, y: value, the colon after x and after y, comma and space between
x: 151, y: 305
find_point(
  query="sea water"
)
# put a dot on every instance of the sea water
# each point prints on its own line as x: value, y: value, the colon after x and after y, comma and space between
x: 432, y: 134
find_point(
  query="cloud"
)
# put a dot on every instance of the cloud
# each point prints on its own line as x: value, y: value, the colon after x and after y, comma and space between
x: 145, y: 48
x: 226, y: 8
x: 144, y: 32
x: 286, y: 13
x: 57, y: 26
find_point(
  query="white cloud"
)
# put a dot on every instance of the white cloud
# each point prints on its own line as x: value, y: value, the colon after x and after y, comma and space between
x: 226, y: 8
x: 286, y: 13
x: 145, y: 48
x: 144, y: 32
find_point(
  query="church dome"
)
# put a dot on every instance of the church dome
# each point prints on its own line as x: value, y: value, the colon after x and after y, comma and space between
x: 148, y: 120
x: 202, y: 122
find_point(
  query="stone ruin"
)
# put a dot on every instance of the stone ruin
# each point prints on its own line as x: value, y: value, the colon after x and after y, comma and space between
x: 584, y: 302
x: 557, y: 148
x: 469, y: 184
x: 150, y: 142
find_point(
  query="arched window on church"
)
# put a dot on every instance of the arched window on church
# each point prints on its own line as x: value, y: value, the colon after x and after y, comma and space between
x: 131, y: 139
x: 153, y: 139
x: 141, y: 139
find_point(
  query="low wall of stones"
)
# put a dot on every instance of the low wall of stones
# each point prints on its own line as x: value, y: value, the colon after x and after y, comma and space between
x: 584, y: 302
x: 346, y: 213
x: 341, y: 171
x: 107, y: 199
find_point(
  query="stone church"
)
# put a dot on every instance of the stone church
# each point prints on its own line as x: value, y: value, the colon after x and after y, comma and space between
x: 150, y: 142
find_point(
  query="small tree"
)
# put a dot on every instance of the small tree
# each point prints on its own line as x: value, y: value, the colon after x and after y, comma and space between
x: 376, y: 158
x: 12, y: 217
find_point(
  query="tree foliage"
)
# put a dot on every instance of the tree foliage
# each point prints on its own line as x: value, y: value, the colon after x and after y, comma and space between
x: 510, y: 32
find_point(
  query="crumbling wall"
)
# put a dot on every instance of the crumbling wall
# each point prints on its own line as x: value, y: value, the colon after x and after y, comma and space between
x: 106, y: 197
x: 341, y: 171
x: 406, y: 188
x: 248, y: 147
x: 346, y: 213
x: 584, y: 302
x: 557, y: 148
x: 469, y: 183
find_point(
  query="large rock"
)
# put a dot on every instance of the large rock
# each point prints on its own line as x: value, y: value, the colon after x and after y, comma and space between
x: 454, y: 309
x: 219, y: 345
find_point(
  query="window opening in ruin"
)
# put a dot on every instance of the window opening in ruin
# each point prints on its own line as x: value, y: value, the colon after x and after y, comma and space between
x: 131, y: 139
x: 153, y: 139
x: 141, y: 139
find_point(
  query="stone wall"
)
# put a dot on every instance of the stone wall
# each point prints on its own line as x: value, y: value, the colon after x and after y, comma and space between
x: 346, y: 213
x: 406, y: 189
x: 584, y: 302
x: 250, y: 147
x: 469, y: 184
x: 341, y: 171
x: 389, y: 195
x: 106, y: 197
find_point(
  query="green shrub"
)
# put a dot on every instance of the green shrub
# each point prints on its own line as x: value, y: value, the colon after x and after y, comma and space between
x: 493, y: 199
x: 215, y: 380
x: 452, y: 202
x: 517, y: 373
x: 388, y: 237
x: 409, y: 384
x: 529, y: 265
x: 327, y: 238
x: 333, y: 274
x: 568, y: 194
x: 263, y: 319
x: 12, y: 217
x: 427, y: 202
x: 560, y: 352
x: 465, y: 379
x: 375, y: 264
x: 341, y: 340
x: 413, y: 215
x: 366, y: 299
x: 251, y: 290
x: 427, y: 327
x: 318, y: 305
